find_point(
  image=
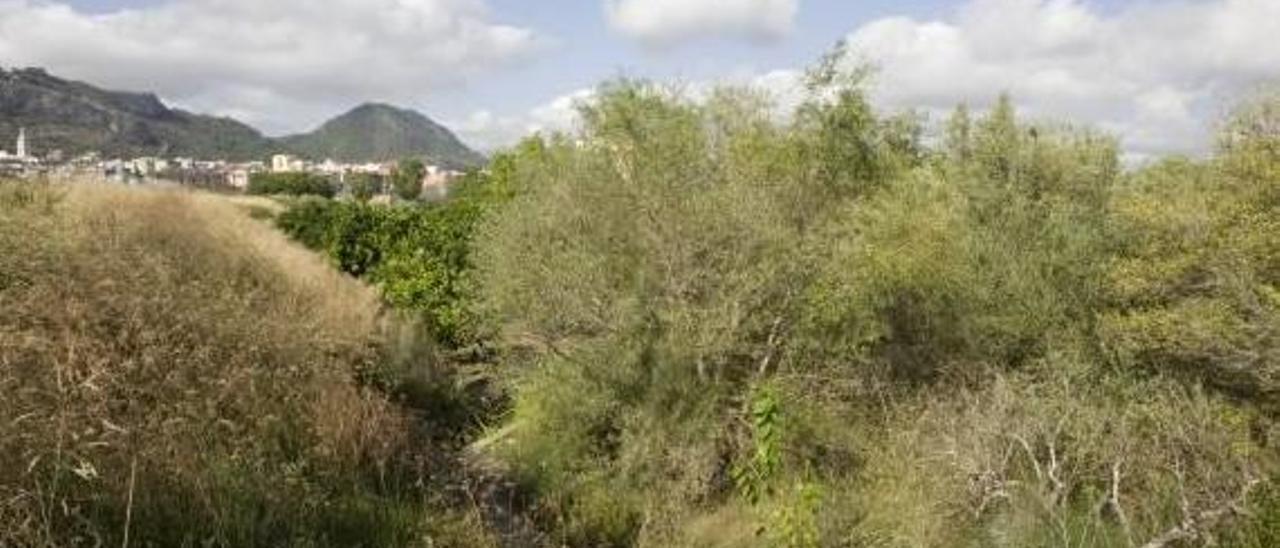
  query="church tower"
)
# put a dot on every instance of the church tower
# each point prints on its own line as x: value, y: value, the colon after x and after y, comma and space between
x: 22, y: 142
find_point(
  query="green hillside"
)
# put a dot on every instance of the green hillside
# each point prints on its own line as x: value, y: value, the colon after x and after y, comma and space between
x: 75, y: 118
x: 381, y: 133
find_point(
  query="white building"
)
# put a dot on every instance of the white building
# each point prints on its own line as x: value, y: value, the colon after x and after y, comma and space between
x: 144, y: 166
x: 330, y: 167
x: 21, y: 160
x: 280, y: 163
x: 284, y: 163
x: 436, y: 181
x: 238, y: 178
x: 21, y: 151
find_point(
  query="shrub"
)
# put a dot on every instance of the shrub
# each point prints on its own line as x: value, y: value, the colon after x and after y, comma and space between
x: 950, y: 336
x: 291, y: 184
x: 658, y: 267
x: 407, y: 179
x: 418, y: 255
x: 1193, y: 289
x: 364, y: 186
x: 830, y: 332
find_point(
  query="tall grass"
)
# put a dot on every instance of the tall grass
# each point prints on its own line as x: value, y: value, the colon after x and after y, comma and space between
x: 176, y: 373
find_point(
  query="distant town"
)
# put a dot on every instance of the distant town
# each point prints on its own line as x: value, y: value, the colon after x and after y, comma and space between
x: 23, y: 162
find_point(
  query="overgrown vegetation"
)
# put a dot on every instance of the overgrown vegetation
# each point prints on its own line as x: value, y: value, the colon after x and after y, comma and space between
x: 407, y: 179
x: 364, y: 186
x: 720, y: 330
x: 176, y: 374
x: 709, y: 328
x: 418, y: 254
x: 291, y: 184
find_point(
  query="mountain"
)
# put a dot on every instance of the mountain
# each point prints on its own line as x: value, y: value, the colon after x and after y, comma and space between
x: 378, y: 132
x: 75, y: 117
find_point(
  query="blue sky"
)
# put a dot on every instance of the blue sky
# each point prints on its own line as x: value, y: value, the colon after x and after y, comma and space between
x: 588, y: 51
x: 1154, y: 72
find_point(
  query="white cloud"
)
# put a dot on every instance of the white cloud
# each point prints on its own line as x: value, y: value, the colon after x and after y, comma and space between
x: 487, y: 131
x: 1153, y: 73
x: 664, y: 23
x: 1157, y: 75
x: 274, y: 62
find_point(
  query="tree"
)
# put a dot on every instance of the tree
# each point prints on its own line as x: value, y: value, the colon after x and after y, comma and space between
x: 364, y: 186
x: 960, y: 135
x: 844, y: 142
x: 292, y: 184
x: 997, y: 140
x: 407, y: 179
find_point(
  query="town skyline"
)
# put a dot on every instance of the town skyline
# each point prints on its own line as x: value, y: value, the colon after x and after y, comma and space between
x: 211, y: 171
x: 25, y: 162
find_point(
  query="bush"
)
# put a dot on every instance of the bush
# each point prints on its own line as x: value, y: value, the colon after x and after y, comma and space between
x: 943, y: 330
x: 291, y: 184
x: 419, y: 255
x: 658, y: 267
x: 407, y: 179
x: 1193, y: 289
x: 364, y: 186
x: 715, y: 327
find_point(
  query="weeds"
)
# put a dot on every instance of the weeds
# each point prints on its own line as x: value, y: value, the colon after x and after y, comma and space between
x: 178, y: 374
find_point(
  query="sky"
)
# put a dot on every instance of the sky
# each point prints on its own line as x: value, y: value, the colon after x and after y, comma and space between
x: 1155, y: 73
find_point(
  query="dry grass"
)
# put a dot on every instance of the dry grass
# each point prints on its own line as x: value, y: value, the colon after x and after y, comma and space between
x: 177, y: 370
x: 1037, y: 460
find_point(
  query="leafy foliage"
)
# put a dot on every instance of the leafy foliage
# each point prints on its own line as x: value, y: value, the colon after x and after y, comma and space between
x: 1193, y: 289
x: 419, y: 255
x: 753, y: 475
x: 364, y: 186
x: 407, y: 179
x: 654, y: 272
x: 291, y: 184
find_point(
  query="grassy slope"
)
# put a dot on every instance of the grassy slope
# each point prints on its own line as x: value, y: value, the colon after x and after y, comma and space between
x: 179, y: 374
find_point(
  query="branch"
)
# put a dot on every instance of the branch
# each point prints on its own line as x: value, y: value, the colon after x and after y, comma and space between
x: 1197, y: 525
x: 771, y: 346
x: 1059, y: 488
x: 1111, y: 502
x: 1031, y: 455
